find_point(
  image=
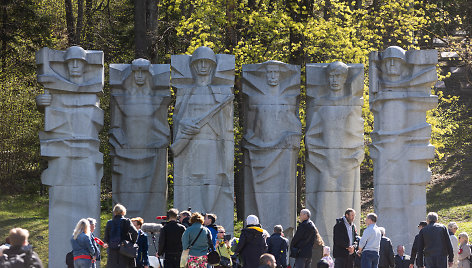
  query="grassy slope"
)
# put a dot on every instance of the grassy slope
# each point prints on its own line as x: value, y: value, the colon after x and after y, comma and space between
x: 450, y: 196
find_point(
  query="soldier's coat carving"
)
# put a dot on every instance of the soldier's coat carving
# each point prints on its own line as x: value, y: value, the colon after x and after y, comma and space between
x: 139, y: 135
x: 72, y: 80
x: 400, y: 95
x: 334, y: 141
x: 203, y: 142
x: 271, y: 142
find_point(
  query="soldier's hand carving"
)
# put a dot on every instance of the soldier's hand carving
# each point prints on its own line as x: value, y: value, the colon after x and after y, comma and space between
x: 189, y: 128
x: 43, y: 100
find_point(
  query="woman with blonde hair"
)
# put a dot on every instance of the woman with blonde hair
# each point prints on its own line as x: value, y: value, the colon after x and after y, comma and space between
x: 117, y: 231
x: 464, y: 251
x: 82, y: 248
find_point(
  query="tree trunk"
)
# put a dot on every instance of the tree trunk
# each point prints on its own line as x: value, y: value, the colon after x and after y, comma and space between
x: 88, y: 26
x: 151, y: 26
x: 80, y: 22
x: 140, y: 29
x: 231, y: 39
x: 70, y: 22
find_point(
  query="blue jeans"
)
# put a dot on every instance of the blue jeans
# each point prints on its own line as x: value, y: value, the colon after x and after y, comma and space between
x: 369, y: 259
x: 435, y: 261
x: 82, y: 263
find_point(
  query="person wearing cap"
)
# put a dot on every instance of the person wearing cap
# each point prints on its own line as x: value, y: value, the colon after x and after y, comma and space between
x: 252, y: 243
x: 201, y: 126
x: 452, y: 229
x: 303, y: 240
x: 434, y: 244
x: 394, y: 60
x: 414, y: 248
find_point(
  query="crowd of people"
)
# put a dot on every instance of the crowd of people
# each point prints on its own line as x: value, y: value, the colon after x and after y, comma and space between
x: 194, y: 240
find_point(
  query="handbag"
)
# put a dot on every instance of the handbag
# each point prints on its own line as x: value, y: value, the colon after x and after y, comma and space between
x: 185, y: 253
x: 224, y: 261
x: 129, y: 249
x: 213, y: 258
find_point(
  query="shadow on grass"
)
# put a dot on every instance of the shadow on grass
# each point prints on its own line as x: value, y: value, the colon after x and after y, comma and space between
x: 451, y: 197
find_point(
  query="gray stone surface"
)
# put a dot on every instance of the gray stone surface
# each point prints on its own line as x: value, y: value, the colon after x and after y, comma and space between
x: 400, y: 95
x: 72, y: 81
x: 334, y: 142
x: 139, y: 136
x: 203, y: 141
x: 271, y: 142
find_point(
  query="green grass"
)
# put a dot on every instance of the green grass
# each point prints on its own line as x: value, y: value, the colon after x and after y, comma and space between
x: 28, y: 212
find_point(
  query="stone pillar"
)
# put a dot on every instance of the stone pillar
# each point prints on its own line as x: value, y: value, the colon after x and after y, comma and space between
x: 334, y: 142
x: 203, y: 141
x: 272, y: 132
x: 400, y: 95
x: 139, y: 136
x: 72, y: 80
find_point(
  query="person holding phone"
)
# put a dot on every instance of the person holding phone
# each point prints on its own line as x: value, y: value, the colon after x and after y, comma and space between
x: 223, y: 247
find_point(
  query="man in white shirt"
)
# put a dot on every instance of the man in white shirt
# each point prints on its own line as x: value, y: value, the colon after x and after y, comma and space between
x: 369, y: 245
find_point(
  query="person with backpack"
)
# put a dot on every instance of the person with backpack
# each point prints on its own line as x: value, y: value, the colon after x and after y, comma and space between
x: 20, y: 254
x: 82, y: 247
x: 118, y: 230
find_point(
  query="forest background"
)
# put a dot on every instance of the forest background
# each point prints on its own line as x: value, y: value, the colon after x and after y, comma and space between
x: 292, y: 31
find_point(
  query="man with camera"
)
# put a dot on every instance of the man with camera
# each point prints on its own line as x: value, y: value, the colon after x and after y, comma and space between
x: 170, y: 240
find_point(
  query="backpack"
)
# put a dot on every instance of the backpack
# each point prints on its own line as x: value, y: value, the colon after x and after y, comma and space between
x: 17, y: 261
x: 115, y: 234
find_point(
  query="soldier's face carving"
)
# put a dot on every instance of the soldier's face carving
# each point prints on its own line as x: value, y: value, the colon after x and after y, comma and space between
x: 272, y: 75
x: 203, y: 67
x: 393, y: 67
x: 337, y: 79
x: 76, y: 67
x: 139, y: 77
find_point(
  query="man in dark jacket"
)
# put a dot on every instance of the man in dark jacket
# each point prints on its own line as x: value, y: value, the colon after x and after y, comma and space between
x: 434, y: 243
x: 278, y: 246
x: 414, y: 248
x: 387, y: 258
x: 20, y: 252
x: 344, y: 240
x: 170, y: 240
x: 252, y: 243
x: 401, y: 260
x: 303, y: 240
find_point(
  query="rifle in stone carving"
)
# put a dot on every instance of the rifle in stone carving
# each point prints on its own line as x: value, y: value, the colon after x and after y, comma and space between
x: 179, y: 144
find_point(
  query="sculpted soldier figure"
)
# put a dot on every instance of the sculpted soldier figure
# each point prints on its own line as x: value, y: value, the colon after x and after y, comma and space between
x: 140, y: 134
x: 72, y: 81
x: 271, y: 141
x: 334, y: 141
x: 400, y: 95
x: 203, y: 133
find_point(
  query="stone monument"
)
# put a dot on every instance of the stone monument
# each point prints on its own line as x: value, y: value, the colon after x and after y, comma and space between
x: 139, y: 136
x: 271, y: 142
x: 73, y: 81
x: 334, y: 142
x: 203, y: 141
x: 400, y: 95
